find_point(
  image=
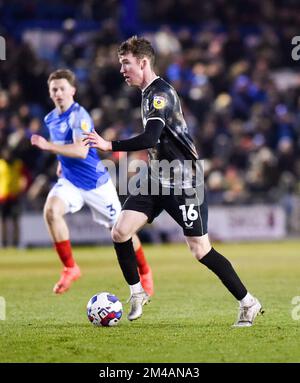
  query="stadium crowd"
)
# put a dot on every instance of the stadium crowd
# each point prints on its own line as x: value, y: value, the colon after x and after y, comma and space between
x: 231, y: 64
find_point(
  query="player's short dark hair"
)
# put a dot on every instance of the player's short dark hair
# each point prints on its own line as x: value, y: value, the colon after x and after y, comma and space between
x: 139, y: 47
x: 63, y: 74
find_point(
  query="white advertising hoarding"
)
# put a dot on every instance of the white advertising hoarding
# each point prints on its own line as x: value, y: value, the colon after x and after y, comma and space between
x: 257, y: 222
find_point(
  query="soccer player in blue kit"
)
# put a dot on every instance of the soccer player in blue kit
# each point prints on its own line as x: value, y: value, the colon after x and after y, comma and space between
x: 83, y: 179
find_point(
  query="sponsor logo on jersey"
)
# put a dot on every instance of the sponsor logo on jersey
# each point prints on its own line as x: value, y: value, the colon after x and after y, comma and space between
x: 84, y: 125
x: 159, y: 102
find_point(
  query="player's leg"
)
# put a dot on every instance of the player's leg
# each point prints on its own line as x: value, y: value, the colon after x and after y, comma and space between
x: 202, y: 250
x: 192, y: 217
x: 57, y: 205
x: 54, y: 211
x: 105, y: 207
x: 128, y: 223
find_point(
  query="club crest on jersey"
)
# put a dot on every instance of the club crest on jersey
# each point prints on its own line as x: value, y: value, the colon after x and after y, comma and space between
x: 84, y: 125
x: 159, y: 102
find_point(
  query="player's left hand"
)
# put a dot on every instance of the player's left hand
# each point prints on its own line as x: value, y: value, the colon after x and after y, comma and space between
x: 39, y: 141
x: 93, y: 140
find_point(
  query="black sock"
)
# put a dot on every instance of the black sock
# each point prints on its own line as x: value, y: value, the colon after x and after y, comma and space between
x: 127, y: 261
x: 224, y: 270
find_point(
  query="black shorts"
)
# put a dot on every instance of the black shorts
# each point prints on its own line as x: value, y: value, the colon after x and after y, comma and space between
x: 183, y: 208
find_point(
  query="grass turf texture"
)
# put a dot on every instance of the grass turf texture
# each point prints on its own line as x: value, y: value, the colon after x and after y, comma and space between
x: 188, y: 320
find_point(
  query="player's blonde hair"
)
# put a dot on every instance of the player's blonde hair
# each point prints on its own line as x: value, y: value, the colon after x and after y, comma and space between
x: 63, y: 74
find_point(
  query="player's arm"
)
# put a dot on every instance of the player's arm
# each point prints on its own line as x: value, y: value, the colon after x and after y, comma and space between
x: 146, y: 140
x: 74, y: 150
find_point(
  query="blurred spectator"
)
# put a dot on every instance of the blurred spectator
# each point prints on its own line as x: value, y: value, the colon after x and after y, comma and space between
x: 14, y: 179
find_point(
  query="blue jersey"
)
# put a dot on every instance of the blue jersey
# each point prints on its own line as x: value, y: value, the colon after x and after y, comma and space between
x: 64, y: 128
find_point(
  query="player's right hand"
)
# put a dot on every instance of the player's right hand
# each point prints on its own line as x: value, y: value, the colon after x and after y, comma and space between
x: 39, y: 141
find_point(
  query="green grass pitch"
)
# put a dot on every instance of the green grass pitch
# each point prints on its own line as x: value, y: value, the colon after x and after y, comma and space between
x: 188, y: 320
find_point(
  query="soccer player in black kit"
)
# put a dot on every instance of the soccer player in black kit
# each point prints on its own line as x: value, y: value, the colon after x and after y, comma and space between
x: 178, y: 191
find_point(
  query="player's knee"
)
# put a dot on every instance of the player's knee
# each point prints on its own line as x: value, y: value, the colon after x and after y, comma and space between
x: 198, y: 250
x: 51, y: 214
x: 119, y: 234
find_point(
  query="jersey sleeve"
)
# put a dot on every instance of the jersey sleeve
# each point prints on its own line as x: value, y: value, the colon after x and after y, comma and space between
x: 146, y: 140
x: 81, y: 122
x: 159, y: 107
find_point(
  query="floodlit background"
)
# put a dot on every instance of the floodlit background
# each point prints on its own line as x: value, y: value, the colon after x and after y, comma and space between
x: 232, y: 65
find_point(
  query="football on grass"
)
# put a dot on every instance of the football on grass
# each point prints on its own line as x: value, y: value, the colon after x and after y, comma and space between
x: 104, y: 309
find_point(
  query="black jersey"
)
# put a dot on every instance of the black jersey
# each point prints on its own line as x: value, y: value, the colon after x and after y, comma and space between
x: 175, y: 145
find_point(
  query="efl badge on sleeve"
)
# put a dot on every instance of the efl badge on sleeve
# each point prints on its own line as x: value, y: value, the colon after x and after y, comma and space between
x: 84, y: 125
x: 159, y: 102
